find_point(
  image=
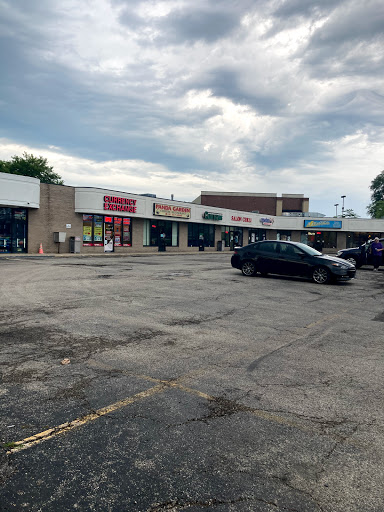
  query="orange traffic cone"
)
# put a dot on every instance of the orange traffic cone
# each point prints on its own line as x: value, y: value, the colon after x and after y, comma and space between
x: 41, y: 249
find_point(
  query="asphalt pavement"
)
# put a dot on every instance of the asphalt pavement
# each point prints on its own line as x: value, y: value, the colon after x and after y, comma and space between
x: 172, y: 382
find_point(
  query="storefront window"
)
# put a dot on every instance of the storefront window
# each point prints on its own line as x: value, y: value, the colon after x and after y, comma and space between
x: 255, y: 235
x: 127, y: 232
x: 117, y: 232
x: 98, y: 230
x: 232, y: 236
x: 284, y: 235
x: 87, y: 229
x: 197, y: 232
x: 320, y: 240
x: 159, y: 230
x: 13, y: 230
x: 96, y: 227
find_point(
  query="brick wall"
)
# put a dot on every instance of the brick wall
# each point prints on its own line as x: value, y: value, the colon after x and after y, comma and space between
x: 57, y: 209
x: 266, y: 205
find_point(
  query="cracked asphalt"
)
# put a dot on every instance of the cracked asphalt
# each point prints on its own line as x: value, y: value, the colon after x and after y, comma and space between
x: 190, y: 387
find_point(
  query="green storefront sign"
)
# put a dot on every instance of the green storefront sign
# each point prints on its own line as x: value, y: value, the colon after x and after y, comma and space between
x: 212, y: 216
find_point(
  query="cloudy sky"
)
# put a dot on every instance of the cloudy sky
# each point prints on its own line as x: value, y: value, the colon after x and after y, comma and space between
x: 178, y: 96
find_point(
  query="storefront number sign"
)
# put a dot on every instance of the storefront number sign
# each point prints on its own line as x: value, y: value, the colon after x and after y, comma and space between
x: 167, y: 210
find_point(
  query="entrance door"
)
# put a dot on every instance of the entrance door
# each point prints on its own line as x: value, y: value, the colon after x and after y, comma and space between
x: 108, y: 234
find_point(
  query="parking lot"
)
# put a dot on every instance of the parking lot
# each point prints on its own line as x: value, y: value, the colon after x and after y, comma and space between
x: 188, y: 387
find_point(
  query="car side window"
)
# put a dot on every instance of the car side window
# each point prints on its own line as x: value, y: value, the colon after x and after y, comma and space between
x: 290, y: 250
x: 269, y: 247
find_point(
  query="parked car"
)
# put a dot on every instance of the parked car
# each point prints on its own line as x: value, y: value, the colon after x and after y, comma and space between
x: 290, y: 259
x: 358, y: 256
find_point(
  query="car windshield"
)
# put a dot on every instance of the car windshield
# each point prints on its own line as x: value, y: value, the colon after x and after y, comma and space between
x: 309, y: 250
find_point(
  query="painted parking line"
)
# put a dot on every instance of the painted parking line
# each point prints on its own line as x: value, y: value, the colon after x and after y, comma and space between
x: 71, y: 425
x: 160, y: 387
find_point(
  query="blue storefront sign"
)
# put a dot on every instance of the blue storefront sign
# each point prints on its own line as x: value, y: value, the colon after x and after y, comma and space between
x: 326, y: 224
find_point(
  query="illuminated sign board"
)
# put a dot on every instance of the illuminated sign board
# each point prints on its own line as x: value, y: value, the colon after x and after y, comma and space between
x: 212, y: 216
x: 167, y: 210
x: 327, y: 224
x: 120, y: 204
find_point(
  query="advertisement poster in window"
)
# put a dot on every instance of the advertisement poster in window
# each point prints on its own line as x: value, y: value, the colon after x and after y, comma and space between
x: 117, y: 233
x: 108, y: 234
x: 98, y: 231
x: 87, y: 230
x: 127, y: 232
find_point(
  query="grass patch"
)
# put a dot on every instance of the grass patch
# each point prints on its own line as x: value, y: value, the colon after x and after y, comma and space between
x: 11, y: 445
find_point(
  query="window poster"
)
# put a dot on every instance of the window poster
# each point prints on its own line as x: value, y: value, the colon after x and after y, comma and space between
x: 98, y: 230
x: 127, y: 232
x: 87, y: 229
x: 117, y: 233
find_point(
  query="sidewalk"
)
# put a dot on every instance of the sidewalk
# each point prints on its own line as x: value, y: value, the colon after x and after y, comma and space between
x: 109, y: 254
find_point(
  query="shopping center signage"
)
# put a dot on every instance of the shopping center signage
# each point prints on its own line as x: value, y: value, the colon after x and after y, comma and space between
x: 120, y: 204
x: 236, y: 218
x: 167, y: 210
x: 266, y: 221
x: 327, y: 224
x: 212, y: 216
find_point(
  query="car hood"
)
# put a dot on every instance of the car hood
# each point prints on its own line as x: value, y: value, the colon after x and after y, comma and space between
x: 336, y: 260
x: 352, y: 249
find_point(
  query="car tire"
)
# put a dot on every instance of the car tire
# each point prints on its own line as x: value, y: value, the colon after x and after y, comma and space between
x: 352, y: 260
x: 248, y: 268
x: 321, y: 275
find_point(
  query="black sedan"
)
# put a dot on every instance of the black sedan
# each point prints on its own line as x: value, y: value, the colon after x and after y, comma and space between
x: 290, y: 259
x: 358, y: 256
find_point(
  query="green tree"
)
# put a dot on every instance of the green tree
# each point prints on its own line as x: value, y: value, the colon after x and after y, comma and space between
x: 376, y: 206
x: 351, y: 214
x: 376, y: 211
x: 29, y: 165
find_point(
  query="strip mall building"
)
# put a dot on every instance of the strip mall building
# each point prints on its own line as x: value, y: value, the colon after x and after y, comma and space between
x: 92, y: 220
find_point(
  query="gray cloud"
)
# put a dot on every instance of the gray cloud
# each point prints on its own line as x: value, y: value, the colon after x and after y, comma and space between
x: 305, y: 8
x: 128, y: 83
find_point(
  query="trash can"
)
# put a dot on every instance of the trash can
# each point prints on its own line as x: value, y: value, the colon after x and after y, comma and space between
x: 74, y: 244
x: 162, y: 246
x: 220, y: 245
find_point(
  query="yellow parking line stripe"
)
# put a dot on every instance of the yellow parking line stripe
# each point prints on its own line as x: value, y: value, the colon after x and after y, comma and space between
x: 65, y: 427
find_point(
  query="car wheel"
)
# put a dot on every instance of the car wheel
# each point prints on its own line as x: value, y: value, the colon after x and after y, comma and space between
x: 248, y: 268
x: 321, y: 275
x: 352, y: 260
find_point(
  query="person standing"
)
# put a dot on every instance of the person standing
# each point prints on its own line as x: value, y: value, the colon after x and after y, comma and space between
x: 377, y: 253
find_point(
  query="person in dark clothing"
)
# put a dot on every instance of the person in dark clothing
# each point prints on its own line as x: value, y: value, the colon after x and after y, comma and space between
x: 377, y: 253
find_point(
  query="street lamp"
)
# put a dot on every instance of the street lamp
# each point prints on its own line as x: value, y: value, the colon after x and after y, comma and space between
x: 337, y: 204
x: 342, y: 208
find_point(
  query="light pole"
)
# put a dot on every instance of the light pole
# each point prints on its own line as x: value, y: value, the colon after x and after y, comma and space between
x: 342, y: 207
x: 337, y: 204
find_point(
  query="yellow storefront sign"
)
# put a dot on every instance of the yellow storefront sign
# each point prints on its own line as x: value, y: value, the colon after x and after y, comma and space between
x: 167, y: 210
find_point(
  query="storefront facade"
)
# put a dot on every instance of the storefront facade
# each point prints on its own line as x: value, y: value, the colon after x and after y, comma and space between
x: 18, y: 196
x: 109, y: 221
